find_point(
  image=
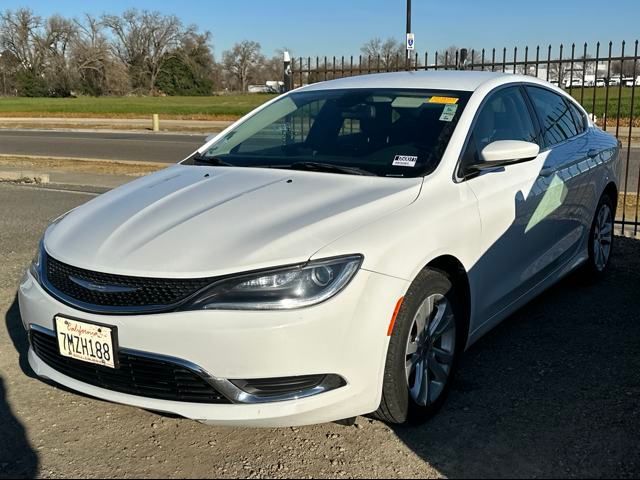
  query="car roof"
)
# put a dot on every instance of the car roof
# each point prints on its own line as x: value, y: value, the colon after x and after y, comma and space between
x: 436, y: 80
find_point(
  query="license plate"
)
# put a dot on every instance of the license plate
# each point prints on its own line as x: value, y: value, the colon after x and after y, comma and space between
x: 87, y: 342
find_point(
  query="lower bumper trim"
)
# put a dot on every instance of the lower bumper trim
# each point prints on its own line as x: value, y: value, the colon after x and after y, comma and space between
x: 163, y: 377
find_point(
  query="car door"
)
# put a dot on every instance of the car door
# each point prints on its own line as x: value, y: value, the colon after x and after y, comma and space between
x: 518, y: 205
x: 569, y: 161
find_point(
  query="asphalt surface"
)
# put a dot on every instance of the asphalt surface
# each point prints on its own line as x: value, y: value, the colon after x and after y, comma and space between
x: 148, y: 147
x: 554, y: 391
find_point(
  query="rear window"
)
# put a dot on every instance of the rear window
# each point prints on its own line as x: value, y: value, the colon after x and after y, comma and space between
x: 578, y: 117
x: 555, y: 115
x: 387, y: 132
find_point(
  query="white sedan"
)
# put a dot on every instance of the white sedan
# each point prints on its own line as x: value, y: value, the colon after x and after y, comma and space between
x: 331, y: 254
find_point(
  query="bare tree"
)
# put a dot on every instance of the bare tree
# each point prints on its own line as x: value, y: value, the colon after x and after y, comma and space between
x: 390, y: 53
x: 59, y: 34
x: 98, y: 70
x: 242, y: 62
x: 143, y: 40
x: 624, y: 69
x: 559, y: 72
x: 21, y: 34
x: 41, y: 49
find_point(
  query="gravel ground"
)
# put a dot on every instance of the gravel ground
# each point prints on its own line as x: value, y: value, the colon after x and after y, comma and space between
x: 552, y: 392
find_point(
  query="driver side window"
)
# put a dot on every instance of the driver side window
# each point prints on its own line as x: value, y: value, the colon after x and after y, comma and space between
x: 504, y: 116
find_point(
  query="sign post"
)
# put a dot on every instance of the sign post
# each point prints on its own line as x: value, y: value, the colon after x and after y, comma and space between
x: 411, y: 43
x: 409, y: 34
x: 288, y: 76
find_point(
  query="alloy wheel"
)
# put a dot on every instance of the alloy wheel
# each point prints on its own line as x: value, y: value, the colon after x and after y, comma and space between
x: 603, y: 237
x: 430, y: 349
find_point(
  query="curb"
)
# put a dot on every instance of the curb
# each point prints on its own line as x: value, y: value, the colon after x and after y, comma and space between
x: 44, y: 129
x: 24, y: 177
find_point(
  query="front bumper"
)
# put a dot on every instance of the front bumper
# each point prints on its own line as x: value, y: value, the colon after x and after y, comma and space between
x: 345, y: 336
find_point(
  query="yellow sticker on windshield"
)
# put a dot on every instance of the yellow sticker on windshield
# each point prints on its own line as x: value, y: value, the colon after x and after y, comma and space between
x: 444, y: 100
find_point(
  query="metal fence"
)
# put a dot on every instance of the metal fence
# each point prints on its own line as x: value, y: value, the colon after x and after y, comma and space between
x: 602, y: 77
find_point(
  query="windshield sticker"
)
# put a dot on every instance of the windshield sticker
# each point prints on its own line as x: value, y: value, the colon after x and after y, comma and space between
x: 443, y: 100
x: 448, y: 113
x: 405, y: 161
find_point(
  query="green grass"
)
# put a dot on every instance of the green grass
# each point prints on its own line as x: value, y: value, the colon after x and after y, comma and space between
x: 601, y: 101
x: 228, y: 107
x: 222, y: 106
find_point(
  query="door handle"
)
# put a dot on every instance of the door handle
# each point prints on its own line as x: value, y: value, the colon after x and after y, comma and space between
x: 592, y: 153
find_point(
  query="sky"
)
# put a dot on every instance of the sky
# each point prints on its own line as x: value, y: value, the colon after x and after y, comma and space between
x: 340, y: 27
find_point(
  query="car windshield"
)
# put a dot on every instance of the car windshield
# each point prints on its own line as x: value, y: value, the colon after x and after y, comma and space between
x: 385, y: 132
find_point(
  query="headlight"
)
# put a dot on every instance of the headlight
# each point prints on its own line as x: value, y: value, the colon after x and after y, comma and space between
x: 36, y: 264
x: 278, y: 289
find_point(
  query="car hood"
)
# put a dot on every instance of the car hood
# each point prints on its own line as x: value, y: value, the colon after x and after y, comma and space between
x: 192, y: 221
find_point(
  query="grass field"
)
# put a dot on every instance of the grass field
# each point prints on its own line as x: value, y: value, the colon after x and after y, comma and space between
x: 623, y: 93
x: 222, y: 107
x: 230, y: 107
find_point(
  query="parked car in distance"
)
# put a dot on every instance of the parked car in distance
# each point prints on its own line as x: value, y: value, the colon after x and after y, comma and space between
x: 331, y: 254
x: 615, y: 81
x: 630, y: 82
x: 573, y: 82
x: 271, y: 86
x: 601, y: 82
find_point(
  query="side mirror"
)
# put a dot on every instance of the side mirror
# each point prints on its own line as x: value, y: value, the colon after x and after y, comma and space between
x: 506, y: 152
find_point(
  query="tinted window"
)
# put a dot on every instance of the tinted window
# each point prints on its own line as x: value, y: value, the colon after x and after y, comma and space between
x: 504, y: 116
x: 555, y: 115
x: 578, y: 117
x: 388, y: 132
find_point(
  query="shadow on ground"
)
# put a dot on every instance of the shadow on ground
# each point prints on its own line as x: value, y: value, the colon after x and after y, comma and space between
x: 19, y: 337
x: 554, y: 391
x: 17, y: 457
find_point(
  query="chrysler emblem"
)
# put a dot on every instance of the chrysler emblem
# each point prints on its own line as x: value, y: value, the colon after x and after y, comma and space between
x: 97, y: 287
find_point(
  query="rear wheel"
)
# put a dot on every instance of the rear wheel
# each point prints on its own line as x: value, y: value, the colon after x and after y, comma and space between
x: 424, y: 350
x: 601, y: 239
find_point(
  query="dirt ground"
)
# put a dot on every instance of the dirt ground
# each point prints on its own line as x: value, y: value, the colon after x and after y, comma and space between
x: 100, y: 167
x: 552, y: 392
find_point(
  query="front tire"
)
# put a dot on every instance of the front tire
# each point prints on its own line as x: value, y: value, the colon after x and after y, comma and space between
x: 424, y: 350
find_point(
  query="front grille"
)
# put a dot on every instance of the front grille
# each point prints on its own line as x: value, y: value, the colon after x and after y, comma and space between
x: 137, y: 375
x: 150, y: 294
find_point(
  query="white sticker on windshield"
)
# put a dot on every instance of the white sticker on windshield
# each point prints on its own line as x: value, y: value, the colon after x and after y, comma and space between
x: 405, y: 161
x: 448, y: 113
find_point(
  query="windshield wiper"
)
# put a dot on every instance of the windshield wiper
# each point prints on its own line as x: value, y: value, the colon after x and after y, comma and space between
x: 215, y: 161
x: 328, y: 167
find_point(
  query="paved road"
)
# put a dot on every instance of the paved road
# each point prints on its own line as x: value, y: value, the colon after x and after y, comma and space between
x: 634, y: 169
x: 552, y: 392
x: 165, y: 148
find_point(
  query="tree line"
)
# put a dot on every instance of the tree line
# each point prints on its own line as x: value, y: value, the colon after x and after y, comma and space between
x: 136, y: 52
x: 150, y: 53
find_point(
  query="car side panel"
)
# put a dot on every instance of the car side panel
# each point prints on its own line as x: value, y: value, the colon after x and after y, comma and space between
x: 444, y: 220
